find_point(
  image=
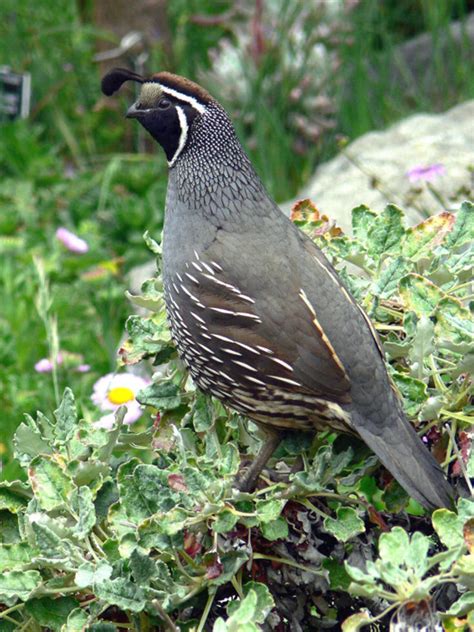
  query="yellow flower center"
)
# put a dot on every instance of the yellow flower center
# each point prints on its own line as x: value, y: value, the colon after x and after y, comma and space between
x: 120, y: 395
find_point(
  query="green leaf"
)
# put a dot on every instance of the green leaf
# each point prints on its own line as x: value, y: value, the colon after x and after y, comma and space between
x: 202, y: 413
x: 362, y: 220
x: 419, y: 295
x: 83, y: 506
x: 269, y: 510
x: 15, y: 556
x: 413, y: 391
x: 51, y: 613
x: 422, y: 345
x: 449, y: 525
x: 339, y: 579
x: 225, y: 521
x: 162, y: 396
x: 454, y: 322
x: 386, y: 233
x: 275, y: 530
x: 420, y: 240
x: 228, y: 464
x: 51, y: 485
x: 16, y: 585
x: 356, y: 622
x: 76, y: 621
x: 346, y: 525
x: 11, y: 500
x: 9, y: 528
x: 143, y: 567
x: 246, y: 611
x: 28, y: 444
x: 51, y: 547
x: 393, y: 545
x: 463, y: 231
x: 386, y: 285
x: 89, y: 574
x: 66, y: 417
x: 121, y: 592
x: 463, y: 605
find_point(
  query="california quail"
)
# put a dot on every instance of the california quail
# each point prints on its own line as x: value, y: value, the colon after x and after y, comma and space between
x: 259, y: 316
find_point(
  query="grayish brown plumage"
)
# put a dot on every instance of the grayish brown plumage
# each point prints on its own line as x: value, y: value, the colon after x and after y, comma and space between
x: 259, y: 316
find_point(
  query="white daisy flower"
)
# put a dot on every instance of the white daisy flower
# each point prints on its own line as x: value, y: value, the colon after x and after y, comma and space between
x: 118, y: 389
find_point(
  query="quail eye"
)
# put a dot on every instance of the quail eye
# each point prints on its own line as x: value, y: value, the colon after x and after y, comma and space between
x: 164, y: 104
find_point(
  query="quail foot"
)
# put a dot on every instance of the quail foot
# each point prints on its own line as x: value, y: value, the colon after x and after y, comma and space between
x: 258, y: 314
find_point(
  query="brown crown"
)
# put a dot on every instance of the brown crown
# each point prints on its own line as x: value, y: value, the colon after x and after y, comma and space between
x: 183, y: 85
x: 114, y: 79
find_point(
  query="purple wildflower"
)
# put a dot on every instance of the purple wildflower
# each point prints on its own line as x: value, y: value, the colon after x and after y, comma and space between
x: 426, y: 173
x: 45, y: 365
x: 72, y: 242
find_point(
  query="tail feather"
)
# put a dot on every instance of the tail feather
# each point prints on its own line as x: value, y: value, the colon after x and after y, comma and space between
x: 406, y: 457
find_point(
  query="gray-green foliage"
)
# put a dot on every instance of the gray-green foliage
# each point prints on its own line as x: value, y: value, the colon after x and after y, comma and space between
x: 151, y: 523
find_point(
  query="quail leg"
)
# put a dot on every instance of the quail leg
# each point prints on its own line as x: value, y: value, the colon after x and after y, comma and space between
x: 246, y: 482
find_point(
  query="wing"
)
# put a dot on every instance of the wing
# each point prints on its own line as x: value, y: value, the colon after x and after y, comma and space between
x: 273, y: 339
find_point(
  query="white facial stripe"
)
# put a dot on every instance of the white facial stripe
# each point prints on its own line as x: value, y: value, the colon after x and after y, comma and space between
x: 184, y: 97
x: 183, y: 123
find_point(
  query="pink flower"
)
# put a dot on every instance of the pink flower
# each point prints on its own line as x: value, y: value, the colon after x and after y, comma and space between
x: 83, y: 368
x: 72, y: 242
x: 45, y: 365
x: 427, y: 173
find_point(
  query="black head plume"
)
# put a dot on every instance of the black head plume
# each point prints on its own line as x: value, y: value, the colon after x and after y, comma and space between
x: 113, y: 80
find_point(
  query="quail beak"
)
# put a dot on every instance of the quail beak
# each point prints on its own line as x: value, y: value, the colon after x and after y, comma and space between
x: 134, y: 112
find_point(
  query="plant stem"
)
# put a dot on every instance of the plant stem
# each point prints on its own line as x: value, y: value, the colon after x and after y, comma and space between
x: 207, y: 609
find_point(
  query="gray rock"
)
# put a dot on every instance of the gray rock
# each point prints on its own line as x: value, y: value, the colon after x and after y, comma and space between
x: 372, y: 170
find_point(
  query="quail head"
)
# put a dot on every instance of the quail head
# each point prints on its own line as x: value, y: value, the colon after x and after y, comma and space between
x: 258, y: 314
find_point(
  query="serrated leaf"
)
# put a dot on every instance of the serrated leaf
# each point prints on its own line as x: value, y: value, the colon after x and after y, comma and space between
x: 143, y: 567
x: 51, y: 613
x: 419, y: 295
x: 454, y: 322
x: 422, y: 345
x: 122, y: 593
x: 463, y: 231
x: 50, y: 546
x: 346, y: 525
x: 83, y: 506
x: 16, y: 585
x: 275, y: 529
x: 362, y: 220
x: 15, y: 556
x: 386, y: 285
x: 202, y: 413
x: 49, y: 482
x: 420, y: 240
x: 28, y: 444
x: 89, y: 574
x: 161, y: 395
x: 386, y: 233
x: 66, y: 417
x: 228, y: 464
